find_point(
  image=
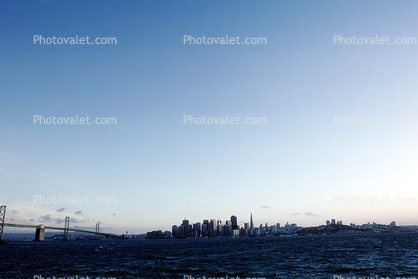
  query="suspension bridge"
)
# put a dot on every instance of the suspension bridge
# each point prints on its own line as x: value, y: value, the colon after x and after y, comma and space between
x: 40, y: 229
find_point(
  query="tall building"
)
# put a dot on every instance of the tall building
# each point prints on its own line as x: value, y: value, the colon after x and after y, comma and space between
x: 181, y: 231
x: 234, y: 222
x: 252, y: 231
x: 227, y: 229
x: 205, y: 228
x: 174, y: 230
x: 196, y: 229
x: 204, y: 231
x: 220, y: 230
x: 186, y: 227
x: 212, y: 231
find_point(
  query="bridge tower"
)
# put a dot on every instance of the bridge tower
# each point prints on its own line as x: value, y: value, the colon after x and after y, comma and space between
x: 40, y: 233
x: 66, y: 227
x: 97, y: 230
x: 2, y: 218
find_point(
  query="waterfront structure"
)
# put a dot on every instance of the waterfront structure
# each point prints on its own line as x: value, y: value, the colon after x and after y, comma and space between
x: 186, y: 227
x: 219, y: 229
x: 212, y: 228
x: 234, y: 222
x: 181, y: 232
x: 174, y: 230
x: 196, y: 229
x: 228, y: 228
x: 205, y: 228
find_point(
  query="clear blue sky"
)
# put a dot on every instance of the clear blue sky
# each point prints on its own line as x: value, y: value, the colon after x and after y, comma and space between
x: 161, y: 170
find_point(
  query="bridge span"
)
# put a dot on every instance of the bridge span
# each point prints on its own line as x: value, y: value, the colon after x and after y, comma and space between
x: 40, y: 229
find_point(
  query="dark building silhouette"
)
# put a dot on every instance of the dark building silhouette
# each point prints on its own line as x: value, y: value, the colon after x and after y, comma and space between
x: 234, y: 222
x: 212, y: 228
x: 186, y: 227
x: 174, y: 231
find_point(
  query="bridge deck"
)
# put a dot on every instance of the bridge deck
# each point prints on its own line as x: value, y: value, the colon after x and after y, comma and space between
x: 54, y: 228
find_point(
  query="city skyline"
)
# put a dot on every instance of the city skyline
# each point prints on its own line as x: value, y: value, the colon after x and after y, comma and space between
x: 233, y: 221
x: 213, y: 228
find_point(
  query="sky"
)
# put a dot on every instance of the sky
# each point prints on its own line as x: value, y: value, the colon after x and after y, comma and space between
x: 306, y: 161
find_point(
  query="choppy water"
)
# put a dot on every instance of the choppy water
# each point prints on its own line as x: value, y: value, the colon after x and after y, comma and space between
x: 391, y: 255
